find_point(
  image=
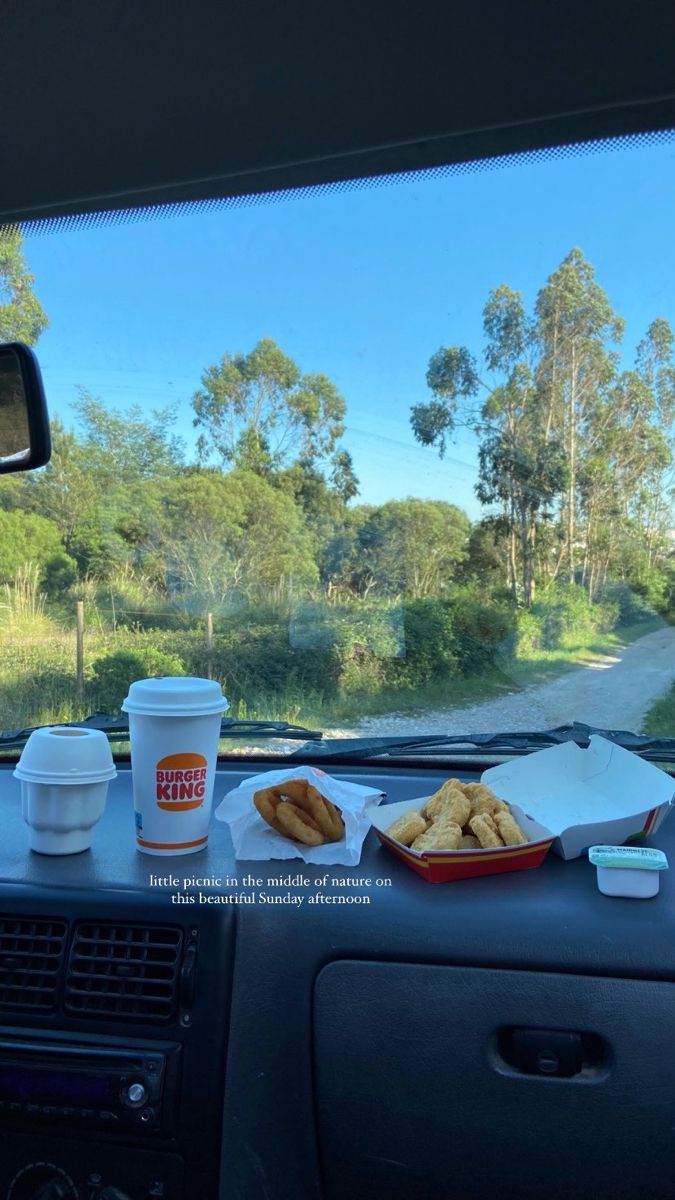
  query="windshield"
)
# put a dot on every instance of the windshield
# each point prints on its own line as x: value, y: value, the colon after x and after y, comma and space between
x: 393, y: 458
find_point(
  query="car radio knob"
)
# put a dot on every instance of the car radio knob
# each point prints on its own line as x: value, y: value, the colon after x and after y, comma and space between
x: 136, y: 1094
x: 42, y: 1181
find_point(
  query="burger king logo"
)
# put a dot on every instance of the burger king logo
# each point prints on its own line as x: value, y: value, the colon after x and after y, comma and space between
x: 180, y: 782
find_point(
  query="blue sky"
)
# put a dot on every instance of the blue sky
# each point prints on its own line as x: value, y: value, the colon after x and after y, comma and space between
x: 363, y: 285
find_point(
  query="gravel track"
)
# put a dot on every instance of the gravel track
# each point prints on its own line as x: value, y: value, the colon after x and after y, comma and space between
x: 614, y: 692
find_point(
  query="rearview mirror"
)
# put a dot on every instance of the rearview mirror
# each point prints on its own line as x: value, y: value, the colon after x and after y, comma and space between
x: 24, y: 425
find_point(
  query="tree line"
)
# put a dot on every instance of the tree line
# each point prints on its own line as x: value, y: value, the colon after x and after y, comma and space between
x: 574, y: 453
x: 118, y: 496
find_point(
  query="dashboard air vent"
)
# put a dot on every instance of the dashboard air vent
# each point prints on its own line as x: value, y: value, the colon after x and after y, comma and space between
x: 125, y: 971
x: 31, y: 954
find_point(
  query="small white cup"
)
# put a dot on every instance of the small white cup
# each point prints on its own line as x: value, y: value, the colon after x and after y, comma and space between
x: 64, y: 774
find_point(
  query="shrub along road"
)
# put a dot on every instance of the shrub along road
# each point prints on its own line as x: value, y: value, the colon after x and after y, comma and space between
x: 614, y: 692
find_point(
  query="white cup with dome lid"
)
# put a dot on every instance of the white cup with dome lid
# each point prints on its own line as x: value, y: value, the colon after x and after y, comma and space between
x: 64, y: 773
x: 174, y: 729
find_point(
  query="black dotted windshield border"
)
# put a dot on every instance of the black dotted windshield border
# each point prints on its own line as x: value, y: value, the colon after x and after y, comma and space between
x: 152, y: 212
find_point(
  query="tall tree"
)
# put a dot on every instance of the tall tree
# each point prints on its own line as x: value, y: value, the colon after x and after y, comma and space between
x: 125, y: 447
x: 258, y: 412
x: 519, y: 469
x: 22, y: 317
x: 66, y: 490
x: 526, y: 477
x: 103, y: 482
x: 575, y: 327
x: 627, y: 458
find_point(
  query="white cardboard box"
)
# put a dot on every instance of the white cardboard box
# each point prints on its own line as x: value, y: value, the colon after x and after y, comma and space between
x: 604, y: 794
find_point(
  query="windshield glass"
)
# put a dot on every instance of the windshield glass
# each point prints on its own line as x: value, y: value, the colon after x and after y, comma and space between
x: 387, y: 458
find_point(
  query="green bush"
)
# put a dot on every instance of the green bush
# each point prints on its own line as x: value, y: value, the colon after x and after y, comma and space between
x: 58, y: 574
x: 371, y: 626
x: 527, y: 635
x: 252, y: 659
x: 363, y: 675
x: 112, y: 674
x: 481, y: 634
x: 26, y: 538
x: 568, y: 618
x: 367, y: 640
x: 632, y: 606
x: 606, y: 615
x: 430, y: 649
x: 41, y: 697
x: 653, y: 587
x: 566, y: 615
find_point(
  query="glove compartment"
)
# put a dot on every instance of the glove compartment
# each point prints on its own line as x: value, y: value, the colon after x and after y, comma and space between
x: 469, y: 1082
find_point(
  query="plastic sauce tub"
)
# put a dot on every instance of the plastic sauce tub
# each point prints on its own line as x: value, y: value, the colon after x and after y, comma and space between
x: 631, y: 871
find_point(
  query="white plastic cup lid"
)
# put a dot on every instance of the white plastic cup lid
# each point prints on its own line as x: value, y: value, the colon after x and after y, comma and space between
x: 62, y: 754
x: 175, y: 696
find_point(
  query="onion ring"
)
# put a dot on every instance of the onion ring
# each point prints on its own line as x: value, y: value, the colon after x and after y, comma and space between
x: 267, y: 801
x: 302, y: 797
x: 298, y: 825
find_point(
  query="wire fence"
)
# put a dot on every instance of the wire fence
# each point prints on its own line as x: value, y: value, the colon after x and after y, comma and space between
x: 26, y: 648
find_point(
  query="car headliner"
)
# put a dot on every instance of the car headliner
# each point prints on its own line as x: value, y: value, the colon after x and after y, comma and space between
x: 114, y: 105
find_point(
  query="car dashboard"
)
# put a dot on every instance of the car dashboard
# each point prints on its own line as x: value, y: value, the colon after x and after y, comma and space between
x: 197, y: 1028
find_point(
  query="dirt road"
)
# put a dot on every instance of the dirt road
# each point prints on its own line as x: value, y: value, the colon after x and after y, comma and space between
x: 612, y: 693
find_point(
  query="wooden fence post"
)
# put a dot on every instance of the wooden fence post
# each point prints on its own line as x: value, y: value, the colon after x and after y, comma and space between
x: 80, y: 649
x: 209, y: 645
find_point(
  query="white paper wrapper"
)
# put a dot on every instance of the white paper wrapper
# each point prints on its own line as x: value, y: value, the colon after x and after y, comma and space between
x: 254, y: 839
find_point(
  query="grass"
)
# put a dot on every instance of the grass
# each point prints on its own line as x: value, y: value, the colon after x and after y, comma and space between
x: 37, y: 679
x: 660, y: 719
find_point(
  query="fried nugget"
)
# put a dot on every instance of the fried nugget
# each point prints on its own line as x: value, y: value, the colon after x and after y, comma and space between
x: 490, y: 820
x: 485, y: 801
x: 407, y: 828
x: 449, y: 801
x: 482, y: 828
x: 441, y: 836
x: 457, y: 808
x: 475, y: 789
x: 451, y: 785
x: 434, y: 806
x: 469, y: 842
x: 297, y: 824
x: 509, y: 829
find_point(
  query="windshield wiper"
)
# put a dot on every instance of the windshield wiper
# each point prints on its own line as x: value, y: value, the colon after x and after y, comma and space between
x: 117, y: 729
x: 465, y: 745
x: 468, y: 745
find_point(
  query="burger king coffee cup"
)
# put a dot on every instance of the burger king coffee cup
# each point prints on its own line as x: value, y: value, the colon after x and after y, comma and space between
x: 174, y: 727
x: 64, y: 773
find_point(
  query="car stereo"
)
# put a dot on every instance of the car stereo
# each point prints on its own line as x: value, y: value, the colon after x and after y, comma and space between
x: 116, y: 1087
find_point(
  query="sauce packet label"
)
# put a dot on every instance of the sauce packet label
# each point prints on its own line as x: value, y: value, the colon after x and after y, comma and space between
x: 643, y: 858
